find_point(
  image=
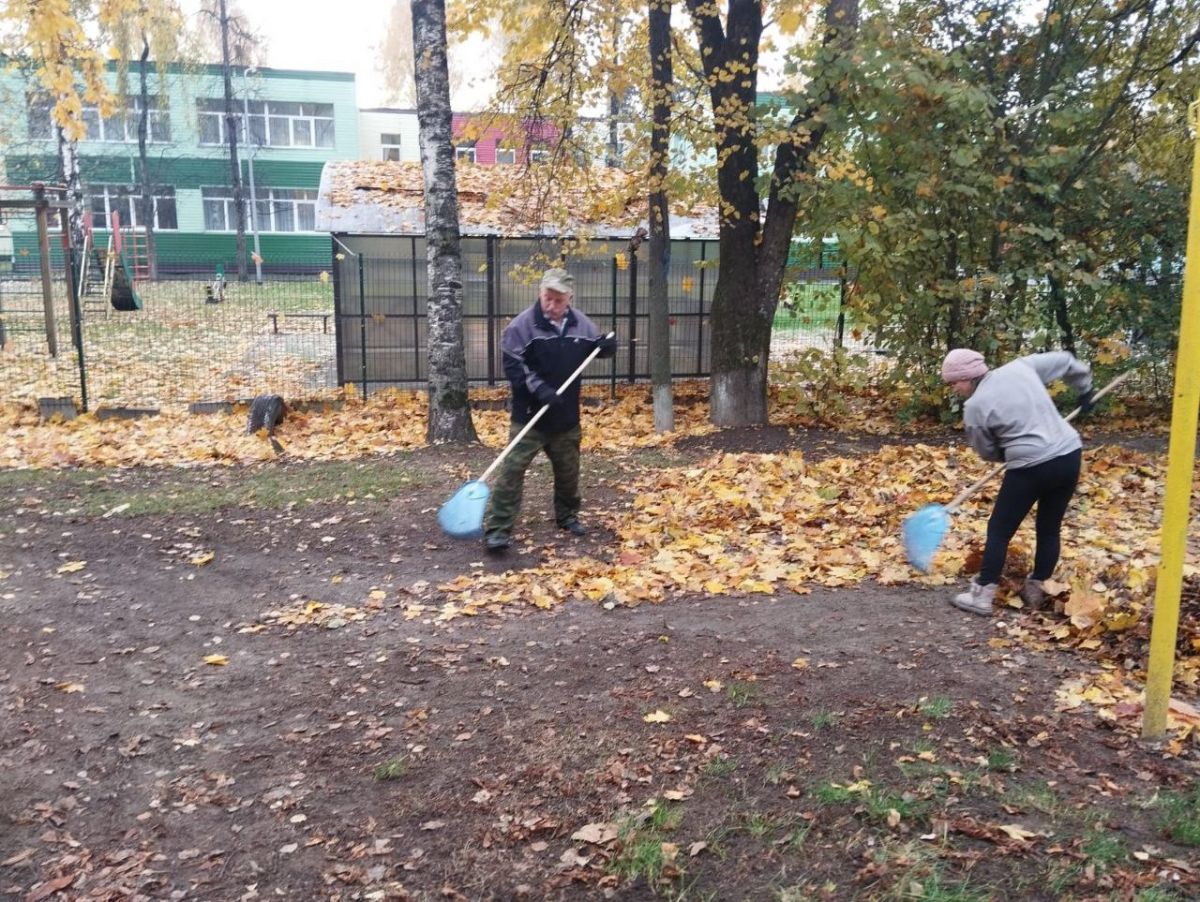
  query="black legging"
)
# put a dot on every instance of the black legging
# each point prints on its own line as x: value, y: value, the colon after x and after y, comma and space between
x: 1050, y: 485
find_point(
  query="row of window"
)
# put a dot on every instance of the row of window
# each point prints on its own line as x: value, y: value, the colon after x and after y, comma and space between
x: 276, y: 209
x: 271, y: 123
x: 121, y: 127
x: 390, y: 150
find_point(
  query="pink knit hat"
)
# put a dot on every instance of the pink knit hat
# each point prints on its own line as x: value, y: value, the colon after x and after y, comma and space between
x: 962, y: 365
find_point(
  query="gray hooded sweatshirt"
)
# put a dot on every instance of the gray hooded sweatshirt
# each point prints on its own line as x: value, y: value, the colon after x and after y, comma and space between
x: 1010, y: 416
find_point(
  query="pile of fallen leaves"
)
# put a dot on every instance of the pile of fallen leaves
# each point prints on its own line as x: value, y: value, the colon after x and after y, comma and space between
x: 739, y: 524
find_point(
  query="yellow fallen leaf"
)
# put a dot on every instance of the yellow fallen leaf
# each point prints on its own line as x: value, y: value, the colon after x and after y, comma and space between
x: 203, y: 558
x: 1016, y: 831
x: 800, y: 663
x: 72, y: 567
x: 714, y: 685
x: 69, y: 687
x: 659, y: 716
x: 216, y: 660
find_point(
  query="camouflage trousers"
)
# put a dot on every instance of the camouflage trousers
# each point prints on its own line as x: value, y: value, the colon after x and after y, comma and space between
x: 563, y: 450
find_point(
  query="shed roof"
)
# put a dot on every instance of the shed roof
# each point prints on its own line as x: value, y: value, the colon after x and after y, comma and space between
x: 370, y: 197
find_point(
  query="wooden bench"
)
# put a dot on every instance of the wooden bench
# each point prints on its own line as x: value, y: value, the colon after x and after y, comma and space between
x: 274, y: 318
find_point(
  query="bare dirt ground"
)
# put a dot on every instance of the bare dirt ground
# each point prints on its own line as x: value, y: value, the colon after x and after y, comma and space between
x: 163, y: 735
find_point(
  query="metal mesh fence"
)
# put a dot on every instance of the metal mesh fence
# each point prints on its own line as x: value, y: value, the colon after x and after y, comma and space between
x: 352, y: 313
x: 381, y: 306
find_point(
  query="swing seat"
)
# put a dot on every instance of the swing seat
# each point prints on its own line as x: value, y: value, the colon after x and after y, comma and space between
x: 123, y: 296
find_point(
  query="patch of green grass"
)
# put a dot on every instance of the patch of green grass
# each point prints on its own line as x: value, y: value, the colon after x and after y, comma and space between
x: 719, y: 766
x: 795, y: 838
x: 1180, y: 816
x: 640, y: 844
x: 1002, y: 758
x: 1104, y: 849
x: 881, y: 803
x: 759, y: 825
x: 775, y: 774
x: 937, y: 707
x: 742, y: 693
x: 151, y: 493
x: 1155, y: 894
x: 392, y: 769
x: 823, y: 720
x: 1038, y: 797
x: 936, y: 887
x: 833, y: 794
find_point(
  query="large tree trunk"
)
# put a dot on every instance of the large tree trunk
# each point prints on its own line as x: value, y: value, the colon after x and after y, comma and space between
x: 661, y: 78
x: 68, y: 162
x: 231, y: 131
x: 146, y: 209
x: 449, y: 410
x: 754, y: 247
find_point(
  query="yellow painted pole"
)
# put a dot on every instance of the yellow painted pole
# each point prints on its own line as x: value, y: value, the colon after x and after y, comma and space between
x: 1181, y: 460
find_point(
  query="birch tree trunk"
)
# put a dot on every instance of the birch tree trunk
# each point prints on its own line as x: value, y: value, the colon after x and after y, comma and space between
x: 449, y: 410
x: 68, y: 162
x: 146, y: 207
x: 231, y: 128
x: 660, y: 215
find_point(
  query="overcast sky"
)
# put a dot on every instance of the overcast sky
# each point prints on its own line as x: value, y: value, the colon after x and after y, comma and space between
x: 339, y: 36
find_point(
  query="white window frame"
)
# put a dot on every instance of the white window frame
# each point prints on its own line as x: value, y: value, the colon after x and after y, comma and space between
x: 269, y: 127
x: 125, y: 199
x: 464, y: 153
x: 274, y: 206
x: 539, y: 155
x: 119, y: 128
x: 510, y: 154
x: 390, y: 149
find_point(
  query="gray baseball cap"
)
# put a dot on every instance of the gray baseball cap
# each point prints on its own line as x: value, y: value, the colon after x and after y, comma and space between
x: 558, y: 280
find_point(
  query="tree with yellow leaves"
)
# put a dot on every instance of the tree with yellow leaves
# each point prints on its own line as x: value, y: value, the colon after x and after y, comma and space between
x: 562, y: 61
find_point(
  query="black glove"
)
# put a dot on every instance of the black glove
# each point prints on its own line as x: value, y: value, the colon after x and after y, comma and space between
x: 1087, y: 401
x: 547, y: 395
x: 607, y: 345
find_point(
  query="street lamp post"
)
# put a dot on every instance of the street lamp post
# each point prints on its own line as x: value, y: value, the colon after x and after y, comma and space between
x: 258, y: 279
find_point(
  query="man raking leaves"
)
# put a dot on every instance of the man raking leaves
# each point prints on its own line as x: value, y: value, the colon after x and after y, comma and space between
x: 1009, y: 417
x: 546, y: 349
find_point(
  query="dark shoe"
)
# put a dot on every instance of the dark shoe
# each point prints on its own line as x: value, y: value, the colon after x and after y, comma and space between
x: 497, y: 543
x: 573, y: 526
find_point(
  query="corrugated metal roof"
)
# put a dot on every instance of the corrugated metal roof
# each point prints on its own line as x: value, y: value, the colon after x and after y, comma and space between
x: 369, y: 197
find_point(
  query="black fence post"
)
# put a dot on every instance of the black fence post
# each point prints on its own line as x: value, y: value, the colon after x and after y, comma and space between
x: 362, y: 322
x: 841, y: 319
x: 491, y: 310
x: 415, y: 313
x: 700, y: 318
x: 338, y: 301
x: 633, y: 314
x: 76, y: 311
x: 612, y: 387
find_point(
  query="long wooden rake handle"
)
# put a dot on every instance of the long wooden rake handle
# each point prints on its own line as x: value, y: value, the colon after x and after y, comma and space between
x: 537, y: 416
x: 999, y: 468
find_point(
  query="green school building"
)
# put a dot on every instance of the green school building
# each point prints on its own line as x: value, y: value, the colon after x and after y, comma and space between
x: 291, y: 123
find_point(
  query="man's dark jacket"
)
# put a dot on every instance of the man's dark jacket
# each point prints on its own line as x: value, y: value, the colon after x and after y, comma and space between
x: 536, y: 354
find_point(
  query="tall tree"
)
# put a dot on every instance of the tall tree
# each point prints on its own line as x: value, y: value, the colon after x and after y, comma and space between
x: 449, y: 410
x: 754, y: 243
x: 564, y: 64
x: 661, y: 83
x: 1013, y: 182
x: 238, y: 43
x: 62, y: 44
x: 152, y: 30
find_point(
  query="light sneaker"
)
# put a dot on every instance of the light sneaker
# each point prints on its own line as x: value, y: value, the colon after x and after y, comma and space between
x: 977, y: 599
x: 1033, y: 594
